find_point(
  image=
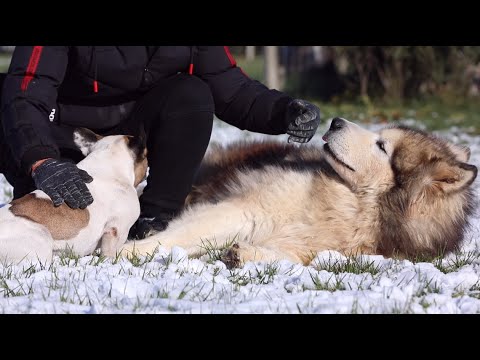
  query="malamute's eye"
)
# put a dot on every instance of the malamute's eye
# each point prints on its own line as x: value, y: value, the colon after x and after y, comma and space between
x: 381, y: 146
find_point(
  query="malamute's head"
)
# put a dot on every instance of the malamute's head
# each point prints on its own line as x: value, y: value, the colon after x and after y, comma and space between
x: 421, y: 184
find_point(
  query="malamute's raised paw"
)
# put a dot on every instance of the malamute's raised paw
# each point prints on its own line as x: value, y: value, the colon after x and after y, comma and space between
x: 231, y: 256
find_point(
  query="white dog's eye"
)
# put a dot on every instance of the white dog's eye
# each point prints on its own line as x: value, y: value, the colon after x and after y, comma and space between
x: 381, y: 146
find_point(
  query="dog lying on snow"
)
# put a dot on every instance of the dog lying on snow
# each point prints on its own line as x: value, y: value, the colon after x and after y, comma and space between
x: 32, y: 228
x: 396, y: 192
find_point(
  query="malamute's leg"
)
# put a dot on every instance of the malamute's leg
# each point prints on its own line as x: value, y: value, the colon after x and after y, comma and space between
x: 241, y: 252
x: 218, y: 225
x: 215, y: 223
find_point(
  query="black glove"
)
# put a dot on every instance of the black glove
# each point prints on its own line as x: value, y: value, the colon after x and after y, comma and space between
x: 302, y: 119
x: 63, y: 181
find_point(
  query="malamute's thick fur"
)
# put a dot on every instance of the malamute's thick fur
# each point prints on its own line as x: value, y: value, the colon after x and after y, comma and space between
x: 396, y: 192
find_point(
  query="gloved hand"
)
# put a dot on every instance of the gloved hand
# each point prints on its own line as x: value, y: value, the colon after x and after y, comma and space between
x: 63, y: 181
x: 302, y: 119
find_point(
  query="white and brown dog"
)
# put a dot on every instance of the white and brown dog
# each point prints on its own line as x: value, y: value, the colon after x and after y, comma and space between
x: 32, y: 228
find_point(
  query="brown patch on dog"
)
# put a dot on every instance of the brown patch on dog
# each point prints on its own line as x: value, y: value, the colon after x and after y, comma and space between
x: 138, y: 146
x: 140, y: 167
x: 63, y: 222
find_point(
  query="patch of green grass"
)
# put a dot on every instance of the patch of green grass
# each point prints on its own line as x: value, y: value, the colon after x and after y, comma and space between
x: 451, y: 264
x: 7, y: 271
x: 10, y: 287
x: 98, y: 259
x: 261, y: 276
x: 214, y: 250
x: 353, y: 264
x: 429, y: 287
x: 137, y: 260
x: 473, y: 291
x: 421, y: 257
x: 355, y: 307
x: 161, y: 294
x: 267, y: 274
x: 402, y: 308
x: 425, y: 304
x: 239, y: 279
x: 68, y: 257
x: 333, y: 283
x: 182, y: 294
x: 29, y: 271
x: 216, y: 270
x: 456, y: 262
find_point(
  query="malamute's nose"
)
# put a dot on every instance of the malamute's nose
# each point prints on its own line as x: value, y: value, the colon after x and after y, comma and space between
x: 337, y: 124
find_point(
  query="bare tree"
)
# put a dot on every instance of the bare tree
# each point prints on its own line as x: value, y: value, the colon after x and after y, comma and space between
x: 272, y: 69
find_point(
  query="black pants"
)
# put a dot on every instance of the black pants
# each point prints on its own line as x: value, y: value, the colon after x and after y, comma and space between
x: 177, y: 115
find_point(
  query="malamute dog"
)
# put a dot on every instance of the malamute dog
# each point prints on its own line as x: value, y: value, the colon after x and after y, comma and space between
x: 397, y: 192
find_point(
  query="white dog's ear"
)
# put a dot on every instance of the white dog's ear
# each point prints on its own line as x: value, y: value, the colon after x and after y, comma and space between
x: 85, y: 139
x: 138, y: 143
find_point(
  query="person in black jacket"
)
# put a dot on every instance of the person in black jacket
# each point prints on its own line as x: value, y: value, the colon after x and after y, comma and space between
x: 171, y: 91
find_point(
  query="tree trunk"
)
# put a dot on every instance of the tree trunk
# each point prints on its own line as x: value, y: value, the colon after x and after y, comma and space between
x: 363, y: 76
x: 272, y: 74
x: 250, y: 53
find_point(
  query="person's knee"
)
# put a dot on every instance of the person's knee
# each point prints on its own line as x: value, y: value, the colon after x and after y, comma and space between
x: 191, y: 94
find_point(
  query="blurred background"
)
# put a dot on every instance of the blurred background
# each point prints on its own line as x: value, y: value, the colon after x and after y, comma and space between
x: 437, y: 85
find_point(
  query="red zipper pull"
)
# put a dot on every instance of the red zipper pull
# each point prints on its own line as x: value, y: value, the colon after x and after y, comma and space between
x: 190, y: 69
x: 95, y: 86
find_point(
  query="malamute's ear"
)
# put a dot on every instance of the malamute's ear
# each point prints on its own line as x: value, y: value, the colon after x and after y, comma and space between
x: 461, y: 152
x: 85, y: 139
x: 447, y: 177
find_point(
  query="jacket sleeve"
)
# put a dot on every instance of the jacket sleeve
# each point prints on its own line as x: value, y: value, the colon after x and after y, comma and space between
x: 28, y: 98
x: 239, y: 100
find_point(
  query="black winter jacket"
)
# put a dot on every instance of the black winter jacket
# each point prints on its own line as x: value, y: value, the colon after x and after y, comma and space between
x: 48, y: 83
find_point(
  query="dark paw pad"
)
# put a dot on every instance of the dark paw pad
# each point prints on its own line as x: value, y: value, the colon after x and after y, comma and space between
x: 230, y: 257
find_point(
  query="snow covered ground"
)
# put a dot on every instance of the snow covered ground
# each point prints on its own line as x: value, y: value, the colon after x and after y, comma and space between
x: 170, y: 282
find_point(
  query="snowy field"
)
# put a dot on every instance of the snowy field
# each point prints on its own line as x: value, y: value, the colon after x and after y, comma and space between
x: 172, y: 283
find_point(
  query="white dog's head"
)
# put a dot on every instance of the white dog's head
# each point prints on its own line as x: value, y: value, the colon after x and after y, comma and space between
x: 132, y: 146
